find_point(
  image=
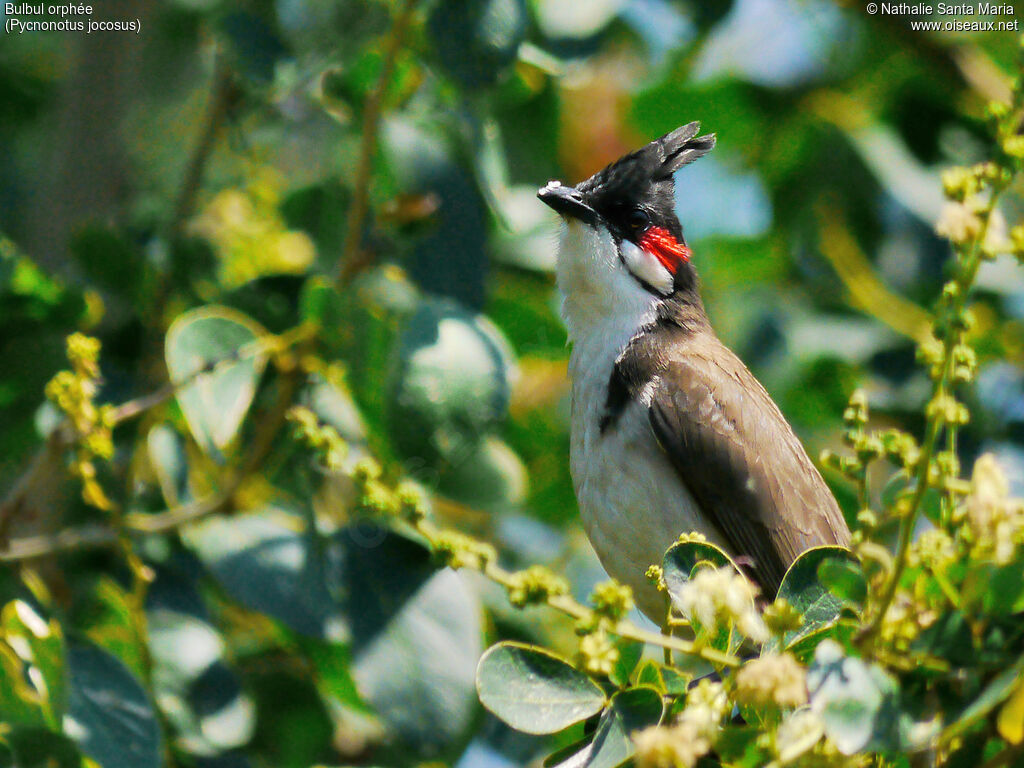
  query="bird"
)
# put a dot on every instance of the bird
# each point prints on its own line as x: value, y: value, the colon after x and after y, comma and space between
x: 670, y: 433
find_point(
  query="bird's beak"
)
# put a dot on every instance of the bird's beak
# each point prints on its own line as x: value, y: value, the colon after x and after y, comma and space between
x: 567, y: 201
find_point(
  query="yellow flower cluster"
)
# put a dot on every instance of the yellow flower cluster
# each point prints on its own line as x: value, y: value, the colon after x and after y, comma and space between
x: 656, y: 575
x: 781, y: 617
x: 798, y: 734
x: 457, y: 550
x: 246, y: 230
x: 772, y: 680
x: 675, y: 746
x: 995, y: 522
x: 934, y: 549
x: 683, y: 743
x: 598, y: 653
x: 329, y: 446
x: 720, y: 597
x: 74, y: 393
x: 612, y: 600
x: 959, y: 222
x: 535, y: 585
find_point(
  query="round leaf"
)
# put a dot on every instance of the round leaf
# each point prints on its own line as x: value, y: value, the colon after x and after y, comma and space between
x: 683, y: 556
x: 628, y: 711
x: 856, y: 701
x: 453, y: 384
x: 416, y: 635
x: 475, y: 40
x: 681, y: 561
x: 265, y: 561
x: 109, y: 714
x: 533, y: 690
x: 803, y: 589
x: 220, y: 341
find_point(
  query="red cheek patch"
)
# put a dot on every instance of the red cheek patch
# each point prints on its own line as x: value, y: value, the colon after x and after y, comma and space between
x: 660, y: 243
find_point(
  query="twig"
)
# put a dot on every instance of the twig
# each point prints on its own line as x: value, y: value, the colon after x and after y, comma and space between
x: 351, y: 260
x: 577, y: 610
x: 63, y: 437
x: 97, y: 536
x: 42, y: 464
x: 867, y: 291
x: 220, y: 99
x: 270, y: 343
x: 935, y: 425
x: 1003, y: 757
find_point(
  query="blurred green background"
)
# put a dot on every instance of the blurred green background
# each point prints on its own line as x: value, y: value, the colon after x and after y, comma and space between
x: 214, y: 159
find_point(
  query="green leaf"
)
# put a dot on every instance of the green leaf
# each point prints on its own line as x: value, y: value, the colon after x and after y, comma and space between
x: 167, y: 457
x: 321, y: 304
x: 844, y: 578
x: 802, y: 588
x: 858, y: 702
x: 416, y: 636
x: 42, y: 748
x: 224, y: 343
x: 533, y: 690
x: 332, y: 673
x: 628, y: 711
x: 332, y: 402
x: 681, y: 562
x: 683, y: 557
x: 38, y: 645
x: 574, y: 755
x: 995, y: 693
x: 842, y: 631
x: 998, y: 589
x: 112, y: 626
x: 630, y: 652
x: 269, y: 561
x: 109, y: 714
x: 488, y: 476
x: 738, y: 746
x: 20, y: 701
x: 649, y: 675
x: 200, y: 694
x: 476, y: 40
x: 453, y: 383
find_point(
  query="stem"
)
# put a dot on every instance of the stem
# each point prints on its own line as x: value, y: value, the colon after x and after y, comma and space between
x: 576, y: 610
x: 94, y: 536
x: 964, y: 282
x: 1004, y: 757
x: 220, y: 99
x: 297, y: 335
x: 351, y: 260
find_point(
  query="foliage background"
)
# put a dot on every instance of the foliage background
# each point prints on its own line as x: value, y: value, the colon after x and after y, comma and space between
x: 250, y: 155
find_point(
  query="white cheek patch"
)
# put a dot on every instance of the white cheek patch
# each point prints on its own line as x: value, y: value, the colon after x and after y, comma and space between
x: 647, y: 268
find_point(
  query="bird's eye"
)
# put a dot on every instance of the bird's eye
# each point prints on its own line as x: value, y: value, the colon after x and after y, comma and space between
x: 638, y: 219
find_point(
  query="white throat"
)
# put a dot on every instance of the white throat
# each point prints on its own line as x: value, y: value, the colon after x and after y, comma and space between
x: 603, y: 305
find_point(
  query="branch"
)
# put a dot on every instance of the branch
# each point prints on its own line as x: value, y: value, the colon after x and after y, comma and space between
x: 100, y: 536
x: 221, y: 91
x: 352, y: 260
x: 575, y: 609
x: 867, y: 291
x: 965, y: 280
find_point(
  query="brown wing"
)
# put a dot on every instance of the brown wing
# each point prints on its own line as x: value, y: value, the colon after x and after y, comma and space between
x: 741, y: 460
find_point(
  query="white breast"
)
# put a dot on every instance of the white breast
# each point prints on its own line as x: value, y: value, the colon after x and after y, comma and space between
x: 632, y: 502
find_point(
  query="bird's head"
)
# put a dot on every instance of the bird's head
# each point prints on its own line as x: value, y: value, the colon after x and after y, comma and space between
x: 622, y: 246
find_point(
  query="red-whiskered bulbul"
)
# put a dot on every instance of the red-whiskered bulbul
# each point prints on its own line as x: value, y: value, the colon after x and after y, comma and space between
x: 670, y: 432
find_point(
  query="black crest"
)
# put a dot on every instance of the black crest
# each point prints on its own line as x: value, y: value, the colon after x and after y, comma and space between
x: 643, y: 179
